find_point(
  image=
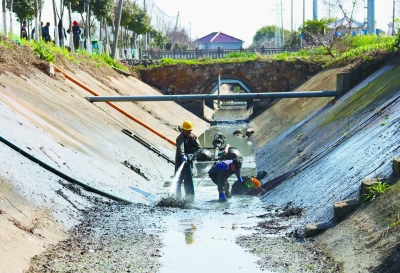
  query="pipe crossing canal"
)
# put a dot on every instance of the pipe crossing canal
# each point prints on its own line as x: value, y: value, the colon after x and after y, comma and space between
x: 202, y: 236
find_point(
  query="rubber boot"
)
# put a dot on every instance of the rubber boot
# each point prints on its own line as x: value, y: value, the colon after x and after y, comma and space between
x: 222, y: 197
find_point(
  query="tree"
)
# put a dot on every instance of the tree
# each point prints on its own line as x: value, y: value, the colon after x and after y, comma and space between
x: 179, y: 38
x: 313, y: 32
x: 139, y: 22
x: 102, y: 8
x: 264, y: 36
x: 293, y: 39
x: 24, y: 9
x: 347, y: 8
x: 159, y: 39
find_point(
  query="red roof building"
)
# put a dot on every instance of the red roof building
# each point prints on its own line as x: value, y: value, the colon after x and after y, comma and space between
x: 219, y: 39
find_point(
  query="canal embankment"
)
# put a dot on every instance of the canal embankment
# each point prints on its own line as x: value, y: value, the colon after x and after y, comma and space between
x: 49, y: 118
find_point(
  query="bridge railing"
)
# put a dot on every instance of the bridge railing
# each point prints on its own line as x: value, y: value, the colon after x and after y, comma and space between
x: 209, y: 53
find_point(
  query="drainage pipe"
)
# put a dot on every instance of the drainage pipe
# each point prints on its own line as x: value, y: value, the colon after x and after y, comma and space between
x: 216, y: 97
x: 62, y: 175
x: 116, y: 107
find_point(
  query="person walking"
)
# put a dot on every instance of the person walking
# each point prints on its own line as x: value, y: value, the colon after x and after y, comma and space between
x: 187, y: 145
x: 76, y: 32
x: 221, y: 171
x: 61, y: 33
x: 46, y: 32
x: 24, y: 31
x: 34, y: 29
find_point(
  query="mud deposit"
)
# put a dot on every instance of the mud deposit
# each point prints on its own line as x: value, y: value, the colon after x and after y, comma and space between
x: 109, y: 239
x: 285, y: 255
x: 114, y: 237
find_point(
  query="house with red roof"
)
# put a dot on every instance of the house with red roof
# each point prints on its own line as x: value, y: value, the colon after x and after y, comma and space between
x: 219, y: 39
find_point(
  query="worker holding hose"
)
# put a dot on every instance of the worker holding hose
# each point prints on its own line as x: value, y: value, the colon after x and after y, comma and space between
x: 187, y: 145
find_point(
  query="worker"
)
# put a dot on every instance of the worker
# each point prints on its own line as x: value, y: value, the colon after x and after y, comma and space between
x: 221, y: 171
x: 249, y: 184
x: 187, y: 145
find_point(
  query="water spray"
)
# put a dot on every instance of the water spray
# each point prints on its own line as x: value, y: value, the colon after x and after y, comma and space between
x: 174, y: 183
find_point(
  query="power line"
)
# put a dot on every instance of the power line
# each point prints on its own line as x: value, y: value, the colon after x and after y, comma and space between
x: 162, y: 12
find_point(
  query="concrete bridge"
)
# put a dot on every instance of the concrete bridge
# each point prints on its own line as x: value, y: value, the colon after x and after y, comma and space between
x: 253, y: 76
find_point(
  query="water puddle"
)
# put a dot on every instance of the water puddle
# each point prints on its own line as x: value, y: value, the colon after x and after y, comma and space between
x: 206, y: 243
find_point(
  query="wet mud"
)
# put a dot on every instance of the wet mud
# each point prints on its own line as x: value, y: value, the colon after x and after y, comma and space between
x: 117, y: 237
x: 110, y: 238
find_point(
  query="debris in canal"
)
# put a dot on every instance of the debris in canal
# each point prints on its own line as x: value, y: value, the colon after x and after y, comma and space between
x: 172, y: 202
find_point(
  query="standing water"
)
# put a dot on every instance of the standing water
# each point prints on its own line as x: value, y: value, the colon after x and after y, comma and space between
x: 202, y: 239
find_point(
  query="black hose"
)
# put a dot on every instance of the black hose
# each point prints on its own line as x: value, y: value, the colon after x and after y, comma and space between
x: 62, y: 175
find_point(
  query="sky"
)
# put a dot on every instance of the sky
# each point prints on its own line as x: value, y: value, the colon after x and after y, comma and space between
x: 240, y: 19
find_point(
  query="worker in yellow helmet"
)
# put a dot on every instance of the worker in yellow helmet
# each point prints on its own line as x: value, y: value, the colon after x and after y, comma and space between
x: 187, y: 145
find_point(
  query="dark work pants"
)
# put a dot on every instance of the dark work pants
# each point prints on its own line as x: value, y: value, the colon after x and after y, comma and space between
x: 186, y: 178
x: 221, y: 180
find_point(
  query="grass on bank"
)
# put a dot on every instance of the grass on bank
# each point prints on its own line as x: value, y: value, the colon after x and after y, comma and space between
x: 48, y: 51
x: 345, y: 50
x: 376, y: 190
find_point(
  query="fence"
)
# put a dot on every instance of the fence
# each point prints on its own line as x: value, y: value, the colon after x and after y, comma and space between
x: 209, y: 53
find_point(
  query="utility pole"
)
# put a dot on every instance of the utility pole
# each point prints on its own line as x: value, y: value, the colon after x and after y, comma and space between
x: 283, y: 31
x: 118, y: 22
x: 277, y: 29
x: 304, y: 19
x: 394, y: 5
x: 371, y: 17
x: 291, y: 16
x: 145, y: 35
x: 315, y: 10
x: 329, y: 9
x: 176, y: 25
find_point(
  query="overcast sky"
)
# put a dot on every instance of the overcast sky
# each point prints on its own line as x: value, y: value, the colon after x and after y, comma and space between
x: 240, y: 19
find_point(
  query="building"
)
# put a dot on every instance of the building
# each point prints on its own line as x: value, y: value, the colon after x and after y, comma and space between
x: 344, y: 26
x: 219, y: 39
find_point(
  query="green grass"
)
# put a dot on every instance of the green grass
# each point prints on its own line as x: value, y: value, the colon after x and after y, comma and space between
x: 395, y: 223
x: 48, y: 51
x: 376, y: 190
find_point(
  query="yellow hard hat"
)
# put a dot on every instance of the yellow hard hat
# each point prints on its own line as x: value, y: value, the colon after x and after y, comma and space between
x: 187, y: 125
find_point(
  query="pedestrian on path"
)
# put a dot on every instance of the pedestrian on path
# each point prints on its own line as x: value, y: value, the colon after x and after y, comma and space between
x: 46, y: 32
x: 24, y: 31
x: 76, y: 33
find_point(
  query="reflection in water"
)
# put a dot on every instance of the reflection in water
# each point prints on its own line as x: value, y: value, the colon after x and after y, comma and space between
x: 189, y: 237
